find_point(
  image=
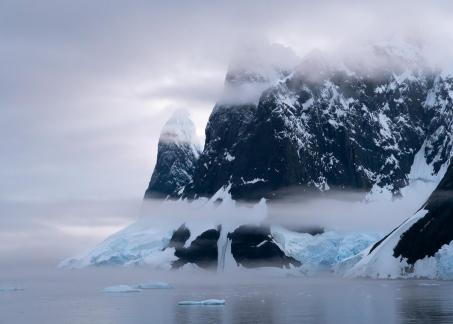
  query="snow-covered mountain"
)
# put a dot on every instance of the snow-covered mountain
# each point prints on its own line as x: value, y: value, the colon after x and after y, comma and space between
x: 354, y: 121
x: 421, y: 247
x: 178, y: 151
x: 378, y: 119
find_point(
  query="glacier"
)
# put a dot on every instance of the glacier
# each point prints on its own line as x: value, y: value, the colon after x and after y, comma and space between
x: 146, y: 241
x: 137, y: 244
x: 322, y: 252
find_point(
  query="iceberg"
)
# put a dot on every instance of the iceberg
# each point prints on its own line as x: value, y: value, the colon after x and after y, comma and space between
x: 121, y: 289
x: 207, y: 302
x: 153, y: 285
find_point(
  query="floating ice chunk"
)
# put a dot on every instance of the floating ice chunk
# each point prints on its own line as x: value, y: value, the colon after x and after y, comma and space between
x: 121, y: 289
x: 427, y: 284
x: 207, y: 302
x: 10, y: 289
x: 153, y: 285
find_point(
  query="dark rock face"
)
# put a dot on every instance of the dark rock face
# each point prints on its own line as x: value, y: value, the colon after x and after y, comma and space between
x: 435, y: 229
x: 225, y: 126
x: 177, y: 154
x: 179, y: 237
x: 172, y: 171
x: 253, y: 246
x: 202, y: 251
x: 329, y: 126
x: 235, y: 113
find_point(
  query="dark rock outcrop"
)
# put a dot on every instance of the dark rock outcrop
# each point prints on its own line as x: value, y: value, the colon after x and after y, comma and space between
x: 253, y: 246
x: 202, y: 251
x: 179, y: 237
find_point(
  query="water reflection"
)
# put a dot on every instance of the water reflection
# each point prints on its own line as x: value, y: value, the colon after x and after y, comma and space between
x: 426, y: 302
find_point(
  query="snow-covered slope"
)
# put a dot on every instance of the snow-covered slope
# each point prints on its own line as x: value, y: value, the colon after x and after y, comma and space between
x: 421, y: 247
x: 330, y: 123
x: 178, y: 151
x: 138, y: 244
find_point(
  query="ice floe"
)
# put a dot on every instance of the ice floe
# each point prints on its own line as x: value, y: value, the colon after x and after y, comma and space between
x: 207, y: 302
x: 121, y: 289
x: 153, y: 285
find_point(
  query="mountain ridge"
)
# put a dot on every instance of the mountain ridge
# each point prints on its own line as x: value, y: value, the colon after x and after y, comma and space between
x: 324, y: 125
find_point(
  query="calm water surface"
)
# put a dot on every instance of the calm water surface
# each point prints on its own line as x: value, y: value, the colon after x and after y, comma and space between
x: 76, y: 297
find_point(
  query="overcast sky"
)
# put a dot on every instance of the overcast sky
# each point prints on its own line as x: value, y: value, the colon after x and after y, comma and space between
x: 85, y: 86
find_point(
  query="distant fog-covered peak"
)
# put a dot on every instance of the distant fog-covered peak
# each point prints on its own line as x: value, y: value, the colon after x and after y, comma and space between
x: 180, y: 129
x: 253, y: 68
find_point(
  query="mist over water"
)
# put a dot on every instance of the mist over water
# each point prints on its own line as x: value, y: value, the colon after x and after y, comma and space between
x: 35, y: 237
x: 44, y: 233
x: 41, y: 234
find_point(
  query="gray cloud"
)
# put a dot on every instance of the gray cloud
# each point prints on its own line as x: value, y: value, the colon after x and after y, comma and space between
x: 86, y: 85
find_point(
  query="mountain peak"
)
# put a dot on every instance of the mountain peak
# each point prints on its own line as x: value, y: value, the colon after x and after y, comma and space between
x: 179, y: 129
x: 177, y: 153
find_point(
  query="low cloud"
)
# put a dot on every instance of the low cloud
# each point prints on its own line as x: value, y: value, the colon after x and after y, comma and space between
x: 83, y: 93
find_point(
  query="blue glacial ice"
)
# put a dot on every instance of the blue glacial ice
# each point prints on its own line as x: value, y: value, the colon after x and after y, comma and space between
x: 137, y: 244
x: 323, y: 252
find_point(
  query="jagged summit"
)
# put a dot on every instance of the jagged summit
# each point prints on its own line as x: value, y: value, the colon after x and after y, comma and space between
x: 178, y: 151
